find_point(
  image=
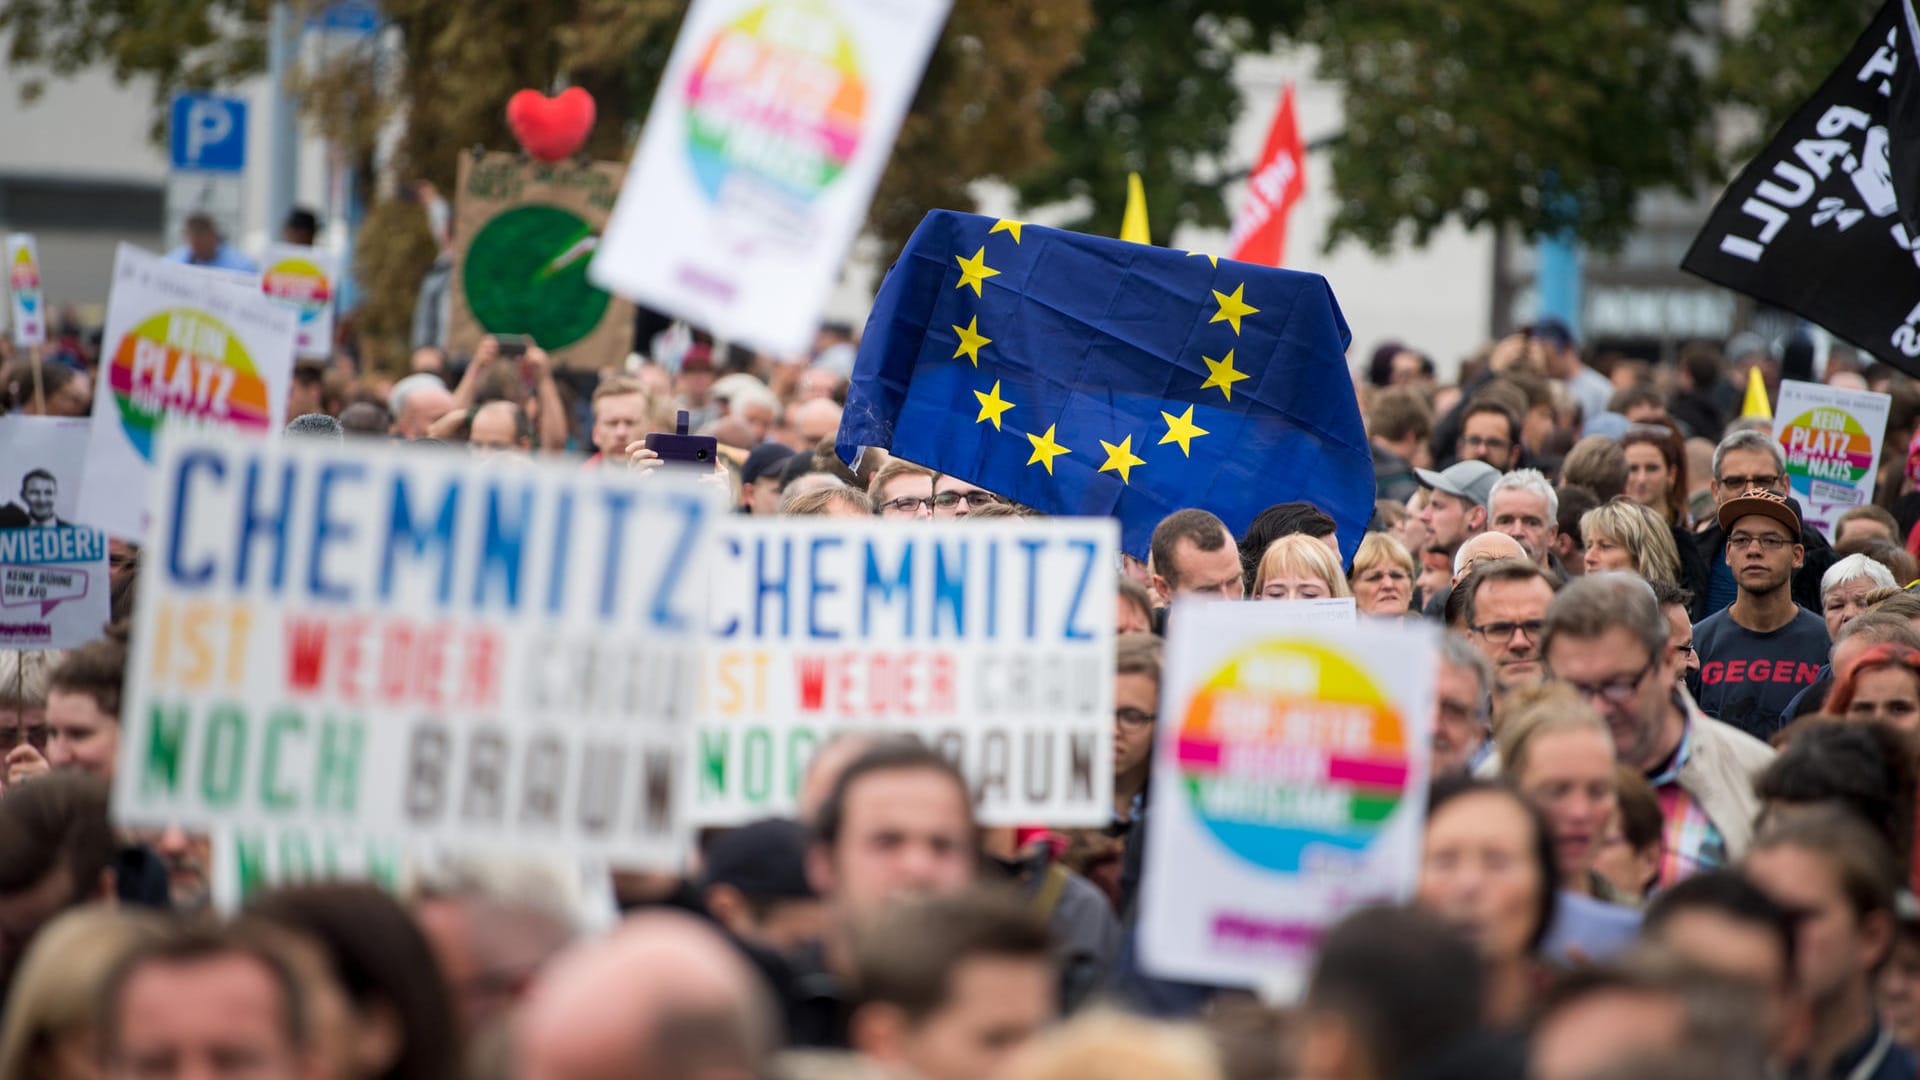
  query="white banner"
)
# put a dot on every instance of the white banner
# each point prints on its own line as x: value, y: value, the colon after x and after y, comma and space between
x: 993, y: 642
x: 768, y: 133
x: 182, y: 348
x: 1290, y: 784
x: 1831, y: 438
x: 395, y: 643
x: 53, y: 572
x: 23, y: 285
x: 307, y: 280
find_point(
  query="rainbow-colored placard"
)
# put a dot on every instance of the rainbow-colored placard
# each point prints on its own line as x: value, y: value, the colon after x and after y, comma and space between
x: 1287, y: 746
x: 305, y: 280
x: 184, y: 363
x: 1827, y: 445
x: 775, y: 104
x: 23, y: 285
x: 1830, y: 438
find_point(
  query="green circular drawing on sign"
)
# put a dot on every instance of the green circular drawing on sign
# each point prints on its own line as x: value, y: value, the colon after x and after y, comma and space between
x: 526, y: 273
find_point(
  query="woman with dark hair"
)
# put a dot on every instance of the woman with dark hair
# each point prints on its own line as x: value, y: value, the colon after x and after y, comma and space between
x: 1881, y: 684
x: 1488, y: 867
x: 1870, y: 768
x: 1656, y: 456
x: 402, y: 1022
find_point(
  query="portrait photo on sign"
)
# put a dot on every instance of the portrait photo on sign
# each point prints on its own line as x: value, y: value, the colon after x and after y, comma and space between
x: 40, y: 471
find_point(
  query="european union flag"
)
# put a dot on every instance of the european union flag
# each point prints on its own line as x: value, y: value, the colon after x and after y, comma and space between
x: 1088, y: 376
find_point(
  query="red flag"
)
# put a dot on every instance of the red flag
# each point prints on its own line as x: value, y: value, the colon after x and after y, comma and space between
x: 1260, y: 228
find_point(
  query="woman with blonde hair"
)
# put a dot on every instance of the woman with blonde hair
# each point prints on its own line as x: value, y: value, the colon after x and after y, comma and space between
x: 1624, y: 535
x: 1382, y: 577
x: 49, y: 1031
x: 1299, y: 567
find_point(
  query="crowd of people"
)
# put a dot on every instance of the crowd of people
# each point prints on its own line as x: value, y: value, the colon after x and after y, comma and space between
x: 1670, y: 831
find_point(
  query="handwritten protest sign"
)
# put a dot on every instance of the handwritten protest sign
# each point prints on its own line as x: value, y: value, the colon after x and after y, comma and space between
x: 769, y: 131
x: 182, y: 348
x: 991, y: 641
x: 1831, y: 438
x: 23, y: 285
x: 411, y: 644
x: 1290, y: 778
x: 53, y: 572
x: 307, y: 280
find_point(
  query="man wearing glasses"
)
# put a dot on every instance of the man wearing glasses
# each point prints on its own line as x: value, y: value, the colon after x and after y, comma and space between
x: 1606, y: 638
x: 1746, y: 460
x: 1489, y: 432
x: 901, y: 489
x: 954, y: 497
x: 1506, y: 607
x: 1759, y: 652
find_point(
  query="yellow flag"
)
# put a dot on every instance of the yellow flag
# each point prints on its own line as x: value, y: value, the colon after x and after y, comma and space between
x: 1133, y: 226
x: 1756, y: 407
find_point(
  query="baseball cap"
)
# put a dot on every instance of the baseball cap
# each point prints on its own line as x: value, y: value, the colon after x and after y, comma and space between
x: 764, y: 859
x: 767, y: 459
x: 1472, y: 480
x: 1764, y: 503
x: 1555, y: 331
x: 699, y: 357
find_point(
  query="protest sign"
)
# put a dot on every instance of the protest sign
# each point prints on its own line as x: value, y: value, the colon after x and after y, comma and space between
x: 1831, y: 439
x: 53, y: 572
x: 1326, y: 611
x: 182, y: 348
x: 524, y: 232
x: 398, y: 643
x: 766, y: 137
x: 993, y: 642
x: 1290, y: 782
x: 246, y: 861
x: 307, y: 280
x: 23, y: 285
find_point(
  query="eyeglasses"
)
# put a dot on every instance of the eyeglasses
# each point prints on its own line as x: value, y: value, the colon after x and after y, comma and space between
x: 1742, y: 541
x: 1615, y: 691
x: 35, y: 736
x: 1477, y: 442
x: 1133, y: 718
x: 976, y: 499
x: 907, y: 504
x: 1743, y: 483
x: 1503, y: 631
x: 1685, y: 648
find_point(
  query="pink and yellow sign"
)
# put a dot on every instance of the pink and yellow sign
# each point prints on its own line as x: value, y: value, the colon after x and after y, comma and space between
x: 304, y: 279
x: 23, y: 285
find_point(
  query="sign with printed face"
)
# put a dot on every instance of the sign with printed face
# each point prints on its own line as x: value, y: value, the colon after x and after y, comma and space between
x: 386, y: 643
x: 23, y: 286
x: 307, y: 280
x: 53, y: 572
x: 1831, y: 440
x: 183, y: 347
x: 1290, y: 778
x: 769, y: 131
x: 993, y: 642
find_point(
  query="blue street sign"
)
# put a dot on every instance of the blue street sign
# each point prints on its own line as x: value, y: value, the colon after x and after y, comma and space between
x: 209, y: 133
x: 354, y: 18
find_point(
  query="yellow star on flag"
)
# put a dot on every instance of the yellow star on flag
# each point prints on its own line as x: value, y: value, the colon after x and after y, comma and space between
x: 975, y: 270
x: 991, y: 406
x: 1182, y: 429
x: 1232, y: 307
x: 1007, y: 225
x: 1222, y: 375
x: 1120, y: 459
x: 1214, y: 259
x: 971, y: 340
x: 1045, y: 449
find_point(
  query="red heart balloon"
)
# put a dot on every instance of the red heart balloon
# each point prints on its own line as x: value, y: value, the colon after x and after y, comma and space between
x: 551, y: 128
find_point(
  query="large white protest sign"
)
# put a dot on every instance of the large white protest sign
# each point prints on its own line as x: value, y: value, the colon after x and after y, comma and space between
x: 385, y: 642
x: 993, y: 642
x: 307, y: 280
x: 182, y: 348
x: 53, y: 571
x: 761, y: 151
x: 1831, y: 438
x: 1290, y: 782
x: 29, y: 299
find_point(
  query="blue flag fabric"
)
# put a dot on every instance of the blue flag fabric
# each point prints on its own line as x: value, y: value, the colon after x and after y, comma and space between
x: 1088, y: 376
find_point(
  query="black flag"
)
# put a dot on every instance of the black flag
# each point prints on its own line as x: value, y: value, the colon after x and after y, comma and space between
x: 1814, y: 224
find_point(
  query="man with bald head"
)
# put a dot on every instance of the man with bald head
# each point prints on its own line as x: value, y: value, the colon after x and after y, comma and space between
x: 662, y: 996
x: 814, y: 420
x: 1485, y: 547
x: 500, y: 427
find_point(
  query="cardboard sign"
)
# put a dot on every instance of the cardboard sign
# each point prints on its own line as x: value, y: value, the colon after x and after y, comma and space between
x: 761, y: 151
x: 1290, y: 785
x: 397, y: 643
x: 1831, y: 438
x: 183, y: 348
x: 307, y: 280
x: 524, y: 233
x: 23, y: 285
x: 53, y: 572
x: 992, y: 641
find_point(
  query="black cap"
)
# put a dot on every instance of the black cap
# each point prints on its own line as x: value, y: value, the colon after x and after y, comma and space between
x: 767, y: 459
x: 765, y: 859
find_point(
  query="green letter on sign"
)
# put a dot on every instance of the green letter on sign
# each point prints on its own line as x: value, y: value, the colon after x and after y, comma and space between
x: 272, y: 795
x: 223, y: 765
x: 169, y: 730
